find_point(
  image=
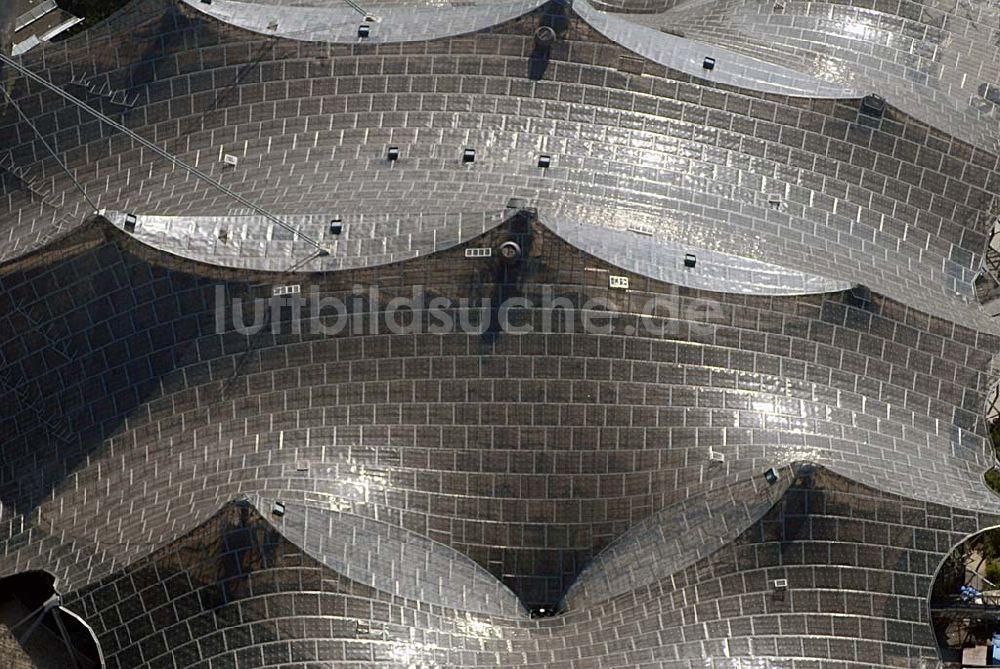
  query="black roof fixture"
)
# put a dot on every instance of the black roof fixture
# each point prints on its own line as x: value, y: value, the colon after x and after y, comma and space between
x: 516, y: 204
x: 690, y: 260
x: 708, y: 63
x: 336, y: 225
x: 544, y: 161
x: 859, y: 296
x: 545, y: 37
x: 771, y: 476
x: 469, y: 156
x: 991, y: 92
x: 364, y: 31
x: 510, y: 251
x: 393, y: 154
x: 872, y: 105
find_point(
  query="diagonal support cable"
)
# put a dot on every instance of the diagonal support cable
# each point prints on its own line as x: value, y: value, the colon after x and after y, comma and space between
x: 41, y: 138
x: 30, y: 616
x: 356, y: 7
x: 176, y: 162
x: 243, y: 72
x: 41, y: 611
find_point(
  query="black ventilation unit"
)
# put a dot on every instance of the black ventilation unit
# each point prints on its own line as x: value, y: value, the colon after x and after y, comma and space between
x: 872, y: 105
x: 991, y: 92
x: 859, y: 296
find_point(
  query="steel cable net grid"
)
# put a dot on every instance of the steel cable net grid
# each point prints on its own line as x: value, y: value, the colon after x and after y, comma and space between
x: 771, y: 481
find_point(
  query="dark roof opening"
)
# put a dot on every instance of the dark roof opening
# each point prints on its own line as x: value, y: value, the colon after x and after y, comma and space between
x: 35, y: 631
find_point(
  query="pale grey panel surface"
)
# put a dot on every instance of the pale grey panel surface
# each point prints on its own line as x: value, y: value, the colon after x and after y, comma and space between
x: 664, y: 260
x: 392, y: 559
x: 253, y: 242
x: 927, y: 58
x: 676, y: 537
x: 340, y: 22
x: 688, y: 56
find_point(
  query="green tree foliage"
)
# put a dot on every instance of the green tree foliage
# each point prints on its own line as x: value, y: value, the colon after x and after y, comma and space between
x: 992, y: 572
x: 993, y: 480
x: 993, y: 475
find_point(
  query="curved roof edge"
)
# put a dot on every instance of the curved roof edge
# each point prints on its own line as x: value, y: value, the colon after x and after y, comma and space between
x: 678, y: 536
x: 654, y: 548
x: 409, y: 565
x: 636, y: 251
x: 90, y: 632
x: 939, y: 301
x: 252, y: 242
x: 688, y: 56
x: 97, y: 229
x: 341, y: 24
